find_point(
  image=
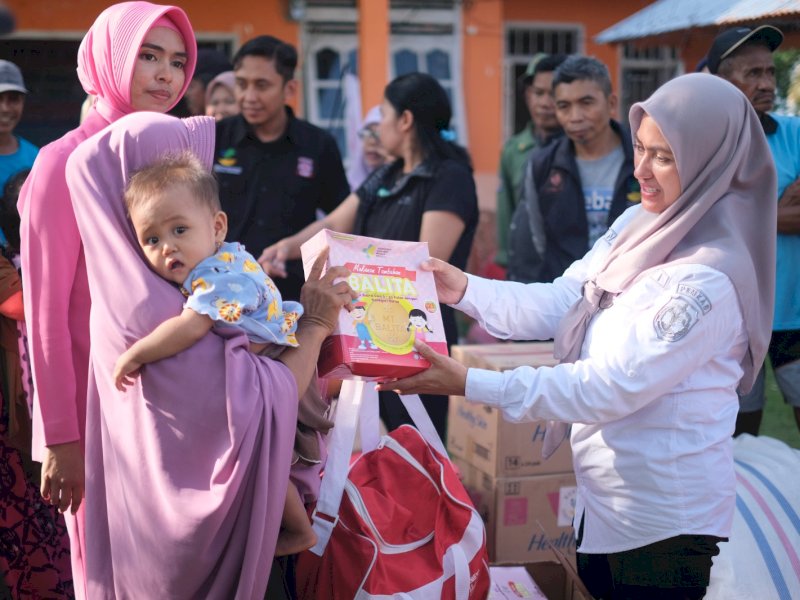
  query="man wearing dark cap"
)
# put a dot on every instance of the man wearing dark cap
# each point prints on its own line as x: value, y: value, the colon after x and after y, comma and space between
x: 536, y: 84
x: 743, y: 56
x: 16, y: 153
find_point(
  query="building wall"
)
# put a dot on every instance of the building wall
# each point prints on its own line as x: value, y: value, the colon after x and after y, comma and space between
x: 242, y: 18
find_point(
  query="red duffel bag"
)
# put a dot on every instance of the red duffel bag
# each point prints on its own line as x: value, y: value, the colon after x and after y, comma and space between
x: 398, y: 523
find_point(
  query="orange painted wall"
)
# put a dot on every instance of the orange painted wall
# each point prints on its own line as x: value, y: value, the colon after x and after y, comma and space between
x: 373, y: 54
x: 242, y: 17
x: 482, y: 66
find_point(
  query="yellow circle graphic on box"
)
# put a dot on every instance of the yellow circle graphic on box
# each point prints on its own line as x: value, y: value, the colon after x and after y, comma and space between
x: 387, y: 321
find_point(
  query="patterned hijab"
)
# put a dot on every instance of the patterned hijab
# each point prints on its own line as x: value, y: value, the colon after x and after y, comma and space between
x: 724, y: 218
x: 108, y: 53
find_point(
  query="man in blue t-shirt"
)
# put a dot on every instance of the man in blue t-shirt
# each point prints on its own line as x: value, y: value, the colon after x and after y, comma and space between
x: 743, y: 56
x: 16, y: 153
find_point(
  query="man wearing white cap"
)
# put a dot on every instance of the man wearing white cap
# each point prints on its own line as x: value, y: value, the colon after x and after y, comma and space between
x: 743, y: 56
x: 16, y: 153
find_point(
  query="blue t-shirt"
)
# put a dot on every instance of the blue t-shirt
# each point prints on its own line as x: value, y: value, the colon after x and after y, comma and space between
x: 11, y: 164
x: 598, y: 178
x: 232, y: 289
x: 785, y: 147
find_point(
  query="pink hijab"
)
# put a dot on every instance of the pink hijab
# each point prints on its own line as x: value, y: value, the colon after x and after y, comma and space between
x: 109, y: 51
x: 187, y: 471
x: 226, y: 79
x: 724, y: 218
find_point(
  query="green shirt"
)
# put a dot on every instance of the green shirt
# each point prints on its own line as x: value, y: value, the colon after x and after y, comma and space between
x: 513, y: 159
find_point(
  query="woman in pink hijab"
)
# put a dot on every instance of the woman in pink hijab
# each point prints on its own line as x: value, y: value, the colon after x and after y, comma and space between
x: 221, y: 97
x: 656, y: 327
x: 136, y: 56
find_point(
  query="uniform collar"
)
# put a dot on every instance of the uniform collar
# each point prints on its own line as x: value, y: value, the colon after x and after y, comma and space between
x: 394, y: 173
x: 769, y: 124
x: 242, y: 129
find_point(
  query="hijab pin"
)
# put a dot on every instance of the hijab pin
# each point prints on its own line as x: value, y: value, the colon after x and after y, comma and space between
x: 383, y: 192
x: 448, y: 135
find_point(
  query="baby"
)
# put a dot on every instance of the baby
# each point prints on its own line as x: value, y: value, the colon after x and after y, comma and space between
x: 175, y: 210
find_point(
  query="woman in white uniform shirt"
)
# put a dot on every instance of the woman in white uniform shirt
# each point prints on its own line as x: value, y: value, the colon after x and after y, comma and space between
x: 655, y: 327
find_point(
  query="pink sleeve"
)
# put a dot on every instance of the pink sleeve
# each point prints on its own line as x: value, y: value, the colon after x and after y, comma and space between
x: 50, y: 250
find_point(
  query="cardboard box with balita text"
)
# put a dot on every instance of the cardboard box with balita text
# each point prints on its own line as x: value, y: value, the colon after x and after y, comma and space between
x: 524, y: 516
x: 480, y: 435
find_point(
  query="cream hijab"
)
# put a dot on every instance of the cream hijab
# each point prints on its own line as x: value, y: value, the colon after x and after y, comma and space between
x: 725, y: 217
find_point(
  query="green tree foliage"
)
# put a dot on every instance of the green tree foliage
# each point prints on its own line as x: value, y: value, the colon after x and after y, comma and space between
x: 785, y: 61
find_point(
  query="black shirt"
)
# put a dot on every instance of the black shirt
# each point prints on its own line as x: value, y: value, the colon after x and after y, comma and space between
x: 271, y: 190
x: 391, y: 205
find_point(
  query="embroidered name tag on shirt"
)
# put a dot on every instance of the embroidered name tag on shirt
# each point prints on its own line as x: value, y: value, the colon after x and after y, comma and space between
x: 681, y: 312
x: 699, y: 297
x: 305, y: 167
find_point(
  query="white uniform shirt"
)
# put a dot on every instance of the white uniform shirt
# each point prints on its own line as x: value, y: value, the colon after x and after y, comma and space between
x: 652, y: 398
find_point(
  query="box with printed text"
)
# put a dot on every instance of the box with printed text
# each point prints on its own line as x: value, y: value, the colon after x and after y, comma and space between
x: 524, y: 516
x: 481, y: 436
x: 397, y: 305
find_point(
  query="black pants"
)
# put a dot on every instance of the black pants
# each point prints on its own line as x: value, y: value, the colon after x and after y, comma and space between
x: 394, y: 414
x: 677, y: 568
x: 281, y: 585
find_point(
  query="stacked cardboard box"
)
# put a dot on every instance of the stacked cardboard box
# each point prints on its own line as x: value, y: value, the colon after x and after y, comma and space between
x: 526, y: 502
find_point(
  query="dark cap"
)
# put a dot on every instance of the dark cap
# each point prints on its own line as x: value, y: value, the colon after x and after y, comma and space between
x: 210, y: 63
x: 727, y: 42
x: 11, y: 78
x: 527, y: 77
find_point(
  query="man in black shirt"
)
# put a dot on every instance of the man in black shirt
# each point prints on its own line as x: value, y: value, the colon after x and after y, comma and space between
x: 274, y: 170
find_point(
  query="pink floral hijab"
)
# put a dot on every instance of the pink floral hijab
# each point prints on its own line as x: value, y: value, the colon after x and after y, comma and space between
x: 724, y: 218
x: 108, y: 53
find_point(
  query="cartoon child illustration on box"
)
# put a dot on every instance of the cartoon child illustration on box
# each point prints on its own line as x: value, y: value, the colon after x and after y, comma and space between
x: 418, y: 321
x: 359, y: 314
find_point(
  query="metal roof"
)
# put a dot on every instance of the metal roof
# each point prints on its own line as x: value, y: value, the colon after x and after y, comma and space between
x: 665, y: 16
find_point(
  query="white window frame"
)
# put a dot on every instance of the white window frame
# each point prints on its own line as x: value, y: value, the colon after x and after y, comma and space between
x: 341, y: 43
x: 420, y: 44
x: 662, y: 62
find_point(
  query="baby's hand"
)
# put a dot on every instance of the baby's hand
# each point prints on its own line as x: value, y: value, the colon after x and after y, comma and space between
x: 125, y: 371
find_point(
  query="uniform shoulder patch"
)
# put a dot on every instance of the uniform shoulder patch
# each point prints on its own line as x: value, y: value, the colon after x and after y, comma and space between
x: 681, y: 312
